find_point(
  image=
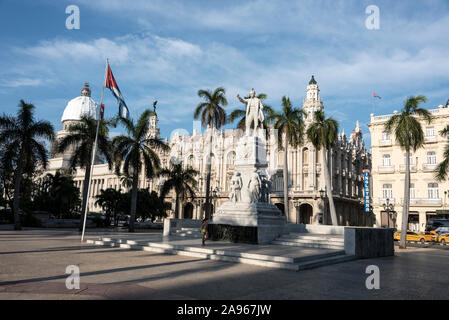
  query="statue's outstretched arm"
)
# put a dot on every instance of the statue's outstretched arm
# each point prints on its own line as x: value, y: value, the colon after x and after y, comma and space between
x: 240, y: 99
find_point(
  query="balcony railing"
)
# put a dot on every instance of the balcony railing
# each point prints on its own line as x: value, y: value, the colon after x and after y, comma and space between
x: 385, y: 168
x: 424, y: 201
x: 384, y: 143
x: 412, y: 168
x: 429, y: 166
x: 430, y: 139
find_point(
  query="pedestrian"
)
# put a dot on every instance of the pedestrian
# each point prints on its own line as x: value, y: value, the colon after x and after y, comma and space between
x: 204, y: 230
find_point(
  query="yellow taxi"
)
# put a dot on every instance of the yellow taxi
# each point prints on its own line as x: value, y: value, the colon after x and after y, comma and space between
x: 429, y: 235
x: 412, y: 236
x: 443, y: 238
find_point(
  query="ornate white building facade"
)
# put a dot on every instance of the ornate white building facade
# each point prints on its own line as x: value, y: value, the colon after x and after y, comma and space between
x: 428, y: 196
x: 307, y: 200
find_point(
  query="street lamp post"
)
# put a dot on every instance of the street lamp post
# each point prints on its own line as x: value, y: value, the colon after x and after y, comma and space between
x: 323, y: 196
x: 214, y: 197
x: 388, y: 207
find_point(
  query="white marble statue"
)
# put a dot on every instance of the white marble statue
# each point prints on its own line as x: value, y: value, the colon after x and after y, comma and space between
x: 236, y: 187
x: 254, y: 111
x: 254, y: 185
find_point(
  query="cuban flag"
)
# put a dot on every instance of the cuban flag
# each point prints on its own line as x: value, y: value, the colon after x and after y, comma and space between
x: 112, y: 85
x: 376, y: 96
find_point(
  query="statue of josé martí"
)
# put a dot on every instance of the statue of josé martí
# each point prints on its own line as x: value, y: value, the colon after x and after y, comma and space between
x: 254, y: 111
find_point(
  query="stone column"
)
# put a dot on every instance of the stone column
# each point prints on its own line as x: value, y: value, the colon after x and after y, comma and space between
x: 422, y: 221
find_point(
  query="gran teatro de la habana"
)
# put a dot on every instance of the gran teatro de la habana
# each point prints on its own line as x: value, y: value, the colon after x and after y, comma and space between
x: 307, y: 202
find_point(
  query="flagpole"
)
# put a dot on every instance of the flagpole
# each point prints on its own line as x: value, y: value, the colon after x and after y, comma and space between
x: 94, y: 151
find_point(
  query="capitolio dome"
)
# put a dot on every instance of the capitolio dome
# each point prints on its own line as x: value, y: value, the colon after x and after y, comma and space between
x: 81, y: 105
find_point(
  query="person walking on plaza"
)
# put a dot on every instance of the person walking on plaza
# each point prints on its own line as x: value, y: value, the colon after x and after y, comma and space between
x: 204, y: 230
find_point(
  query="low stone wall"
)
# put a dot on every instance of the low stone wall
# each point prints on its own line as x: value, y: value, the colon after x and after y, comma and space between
x: 316, y: 228
x: 171, y: 225
x: 369, y: 242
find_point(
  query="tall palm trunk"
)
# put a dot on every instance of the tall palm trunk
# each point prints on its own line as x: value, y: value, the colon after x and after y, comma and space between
x: 402, y: 242
x: 208, y: 171
x: 327, y: 181
x: 17, y: 180
x: 285, y: 173
x: 133, y: 202
x: 85, y: 194
x: 177, y: 215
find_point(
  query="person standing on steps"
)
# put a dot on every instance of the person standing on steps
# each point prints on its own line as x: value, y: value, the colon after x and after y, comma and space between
x: 204, y: 230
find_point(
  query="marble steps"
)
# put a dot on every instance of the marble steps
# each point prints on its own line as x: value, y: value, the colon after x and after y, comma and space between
x: 299, y: 240
x: 280, y: 262
x: 334, y: 238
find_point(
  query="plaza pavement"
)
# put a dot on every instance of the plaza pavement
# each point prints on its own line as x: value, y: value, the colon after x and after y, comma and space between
x: 33, y: 264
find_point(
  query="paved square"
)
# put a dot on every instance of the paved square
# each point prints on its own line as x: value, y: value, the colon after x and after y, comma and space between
x: 33, y: 264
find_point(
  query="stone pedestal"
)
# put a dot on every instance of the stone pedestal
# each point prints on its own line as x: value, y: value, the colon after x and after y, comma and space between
x: 249, y: 216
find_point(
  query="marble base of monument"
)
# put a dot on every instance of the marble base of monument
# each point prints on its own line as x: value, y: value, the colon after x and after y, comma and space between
x: 256, y: 223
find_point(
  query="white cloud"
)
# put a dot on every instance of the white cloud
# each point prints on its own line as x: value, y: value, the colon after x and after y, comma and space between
x: 22, y: 82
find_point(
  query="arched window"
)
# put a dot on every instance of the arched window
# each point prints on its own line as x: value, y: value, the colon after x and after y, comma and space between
x: 191, y: 161
x: 432, y: 190
x: 387, y: 191
x: 431, y: 157
x: 386, y: 160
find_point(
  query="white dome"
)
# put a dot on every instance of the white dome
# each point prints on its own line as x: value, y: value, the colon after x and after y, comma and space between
x: 79, y: 106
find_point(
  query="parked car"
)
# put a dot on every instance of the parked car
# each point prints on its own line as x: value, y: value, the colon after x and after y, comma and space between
x: 429, y: 235
x: 442, y: 238
x: 411, y: 236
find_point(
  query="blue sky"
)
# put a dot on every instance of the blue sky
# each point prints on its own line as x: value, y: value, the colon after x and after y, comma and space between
x: 167, y: 50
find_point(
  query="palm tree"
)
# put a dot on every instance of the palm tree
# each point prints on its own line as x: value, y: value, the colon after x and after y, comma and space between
x: 290, y: 125
x: 131, y: 149
x: 21, y: 138
x: 109, y: 200
x: 181, y: 180
x: 241, y: 114
x: 443, y: 167
x: 212, y: 116
x: 410, y: 136
x: 322, y: 133
x: 80, y: 141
